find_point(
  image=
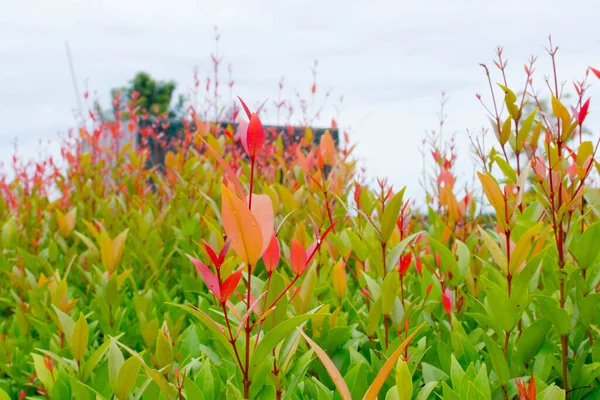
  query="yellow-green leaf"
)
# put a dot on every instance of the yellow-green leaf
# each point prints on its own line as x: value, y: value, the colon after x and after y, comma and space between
x: 390, y: 215
x: 127, y: 377
x: 164, y: 349
x: 506, y: 129
x: 79, y: 338
x: 523, y: 247
x: 404, y: 383
x: 107, y: 252
x: 497, y: 254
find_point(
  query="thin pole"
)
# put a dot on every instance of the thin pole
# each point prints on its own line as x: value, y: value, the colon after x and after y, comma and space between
x: 73, y: 78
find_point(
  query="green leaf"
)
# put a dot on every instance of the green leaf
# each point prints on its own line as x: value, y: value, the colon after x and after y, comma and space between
x: 587, y: 307
x: 404, y: 383
x: 360, y: 249
x: 498, y: 360
x: 127, y: 377
x: 115, y: 362
x: 449, y: 394
x: 92, y: 362
x: 550, y: 308
x: 426, y: 390
x: 506, y: 168
x: 4, y: 395
x: 456, y: 373
x: 79, y: 338
x: 389, y: 291
x: 499, y: 306
x: 216, y: 329
x: 164, y: 350
x: 525, y: 129
x: 276, y: 335
x: 66, y: 322
x: 390, y: 215
x: 43, y: 373
x: 433, y: 374
x: 552, y: 392
x: 9, y: 233
x: 192, y: 390
x: 162, y: 383
x: 448, y: 261
x: 374, y: 316
x: 532, y: 339
x: 394, y: 255
x: 580, y: 248
x: 482, y: 383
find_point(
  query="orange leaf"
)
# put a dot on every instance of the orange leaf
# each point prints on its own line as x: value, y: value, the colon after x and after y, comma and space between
x: 327, y: 148
x: 241, y: 226
x: 494, y: 196
x: 333, y: 372
x: 385, y: 370
x: 262, y: 209
x: 298, y: 257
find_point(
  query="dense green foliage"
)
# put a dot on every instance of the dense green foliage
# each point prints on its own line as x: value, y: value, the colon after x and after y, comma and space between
x: 247, y: 268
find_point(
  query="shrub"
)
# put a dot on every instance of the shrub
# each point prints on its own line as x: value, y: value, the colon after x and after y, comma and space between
x: 246, y: 268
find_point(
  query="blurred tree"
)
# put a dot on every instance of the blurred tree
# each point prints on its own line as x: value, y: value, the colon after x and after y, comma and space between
x: 152, y: 95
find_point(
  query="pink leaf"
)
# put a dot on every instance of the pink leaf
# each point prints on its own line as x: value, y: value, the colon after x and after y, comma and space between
x: 207, y: 276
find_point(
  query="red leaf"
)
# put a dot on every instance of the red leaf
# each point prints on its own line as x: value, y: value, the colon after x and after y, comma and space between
x: 447, y: 301
x: 255, y: 136
x: 419, y: 265
x: 224, y: 251
x: 212, y: 255
x: 404, y: 263
x: 230, y: 284
x: 532, y: 390
x: 596, y: 72
x: 207, y: 276
x: 583, y: 112
x: 327, y: 231
x: 248, y: 113
x: 298, y: 257
x: 271, y: 256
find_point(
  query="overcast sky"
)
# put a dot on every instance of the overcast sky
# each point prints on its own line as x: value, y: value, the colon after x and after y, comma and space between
x: 390, y: 60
